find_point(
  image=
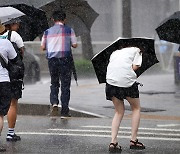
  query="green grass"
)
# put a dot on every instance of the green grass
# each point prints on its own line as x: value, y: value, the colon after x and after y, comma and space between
x: 84, y: 68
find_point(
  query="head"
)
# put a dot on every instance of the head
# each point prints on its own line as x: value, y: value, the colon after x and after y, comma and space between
x: 141, y: 45
x: 59, y: 16
x: 13, y: 24
x: 2, y: 28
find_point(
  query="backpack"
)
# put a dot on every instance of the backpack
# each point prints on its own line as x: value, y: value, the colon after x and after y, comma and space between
x: 15, y: 67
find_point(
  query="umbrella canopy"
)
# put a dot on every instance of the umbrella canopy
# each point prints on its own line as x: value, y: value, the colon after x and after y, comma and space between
x: 80, y: 15
x: 9, y: 13
x: 35, y: 3
x: 100, y: 61
x: 169, y: 28
x: 33, y: 23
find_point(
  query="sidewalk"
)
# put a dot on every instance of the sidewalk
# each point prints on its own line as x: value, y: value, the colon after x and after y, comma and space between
x: 158, y: 92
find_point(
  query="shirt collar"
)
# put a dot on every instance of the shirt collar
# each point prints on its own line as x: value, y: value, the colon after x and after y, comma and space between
x: 59, y: 23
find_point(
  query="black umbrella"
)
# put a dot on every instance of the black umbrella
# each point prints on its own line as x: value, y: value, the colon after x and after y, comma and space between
x: 169, y: 28
x: 33, y: 24
x: 80, y: 15
x: 101, y: 60
x: 74, y: 69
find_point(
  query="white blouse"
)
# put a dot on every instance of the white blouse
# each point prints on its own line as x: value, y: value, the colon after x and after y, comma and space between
x: 119, y: 70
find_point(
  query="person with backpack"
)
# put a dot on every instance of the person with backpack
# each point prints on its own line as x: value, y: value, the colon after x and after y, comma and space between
x: 16, y: 86
x: 6, y: 52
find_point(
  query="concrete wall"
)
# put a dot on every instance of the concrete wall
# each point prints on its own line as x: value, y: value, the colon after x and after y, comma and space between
x: 145, y: 15
x: 107, y: 26
x: 148, y: 14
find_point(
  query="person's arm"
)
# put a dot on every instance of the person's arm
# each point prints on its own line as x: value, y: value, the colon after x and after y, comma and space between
x: 135, y: 67
x: 74, y: 45
x: 43, y: 48
x: 22, y: 51
x: 137, y: 60
x: 43, y: 43
x: 73, y: 39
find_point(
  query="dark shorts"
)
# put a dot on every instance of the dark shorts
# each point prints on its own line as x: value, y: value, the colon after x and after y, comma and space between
x: 121, y: 92
x: 16, y: 89
x: 5, y: 97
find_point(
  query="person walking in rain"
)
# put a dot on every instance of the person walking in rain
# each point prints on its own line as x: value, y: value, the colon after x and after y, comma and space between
x: 16, y: 86
x: 6, y: 52
x: 57, y: 41
x: 121, y: 84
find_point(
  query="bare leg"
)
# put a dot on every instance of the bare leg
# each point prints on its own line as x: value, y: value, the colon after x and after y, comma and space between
x: 1, y: 123
x: 119, y: 113
x: 12, y: 113
x: 135, y: 106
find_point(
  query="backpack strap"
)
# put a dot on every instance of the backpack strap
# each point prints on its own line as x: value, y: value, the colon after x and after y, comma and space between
x: 9, y: 35
x: 3, y: 63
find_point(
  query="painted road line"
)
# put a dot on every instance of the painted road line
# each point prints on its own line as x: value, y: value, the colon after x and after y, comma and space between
x: 141, y: 128
x: 89, y: 113
x: 95, y: 135
x: 108, y: 131
x: 168, y: 125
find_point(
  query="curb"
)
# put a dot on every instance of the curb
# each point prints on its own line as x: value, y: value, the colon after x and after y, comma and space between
x: 44, y: 110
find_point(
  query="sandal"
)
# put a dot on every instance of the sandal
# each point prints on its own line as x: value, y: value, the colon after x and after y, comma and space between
x: 114, y: 147
x: 136, y: 145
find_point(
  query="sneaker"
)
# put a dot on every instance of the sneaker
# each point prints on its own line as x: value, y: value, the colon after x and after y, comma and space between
x: 54, y: 111
x: 64, y: 116
x: 2, y: 149
x: 13, y: 138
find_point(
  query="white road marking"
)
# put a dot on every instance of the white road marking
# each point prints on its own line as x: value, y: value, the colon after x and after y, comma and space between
x: 168, y: 125
x: 89, y: 113
x: 108, y: 131
x: 95, y: 135
x: 141, y: 128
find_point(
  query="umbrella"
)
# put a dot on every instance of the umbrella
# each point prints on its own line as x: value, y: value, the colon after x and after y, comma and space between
x: 35, y: 3
x: 9, y: 13
x: 169, y: 28
x: 80, y: 15
x: 33, y: 23
x: 74, y: 69
x: 101, y: 59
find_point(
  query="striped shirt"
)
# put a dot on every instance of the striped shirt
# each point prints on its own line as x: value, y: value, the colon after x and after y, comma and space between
x: 58, y: 40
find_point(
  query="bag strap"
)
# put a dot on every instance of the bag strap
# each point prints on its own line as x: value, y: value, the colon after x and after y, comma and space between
x: 9, y: 35
x: 3, y: 63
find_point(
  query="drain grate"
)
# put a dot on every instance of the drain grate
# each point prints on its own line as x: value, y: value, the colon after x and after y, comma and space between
x: 143, y: 109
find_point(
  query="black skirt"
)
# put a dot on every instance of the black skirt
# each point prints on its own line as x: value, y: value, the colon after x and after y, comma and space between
x: 121, y: 92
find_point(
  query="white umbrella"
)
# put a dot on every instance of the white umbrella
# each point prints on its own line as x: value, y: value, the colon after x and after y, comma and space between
x: 8, y: 13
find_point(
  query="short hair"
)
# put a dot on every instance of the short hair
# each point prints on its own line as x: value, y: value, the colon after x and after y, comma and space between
x: 59, y: 15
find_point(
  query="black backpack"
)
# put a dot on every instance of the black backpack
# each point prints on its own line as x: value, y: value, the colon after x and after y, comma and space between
x: 15, y: 67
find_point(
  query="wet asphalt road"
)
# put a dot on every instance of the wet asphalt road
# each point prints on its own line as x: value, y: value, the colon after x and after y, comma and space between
x: 159, y: 129
x: 43, y: 134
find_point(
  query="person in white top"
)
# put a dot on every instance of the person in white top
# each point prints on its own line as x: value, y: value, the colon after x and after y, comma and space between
x: 6, y: 52
x: 121, y: 84
x: 16, y: 86
x: 13, y: 25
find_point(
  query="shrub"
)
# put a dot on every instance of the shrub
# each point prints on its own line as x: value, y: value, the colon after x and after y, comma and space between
x: 84, y: 68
